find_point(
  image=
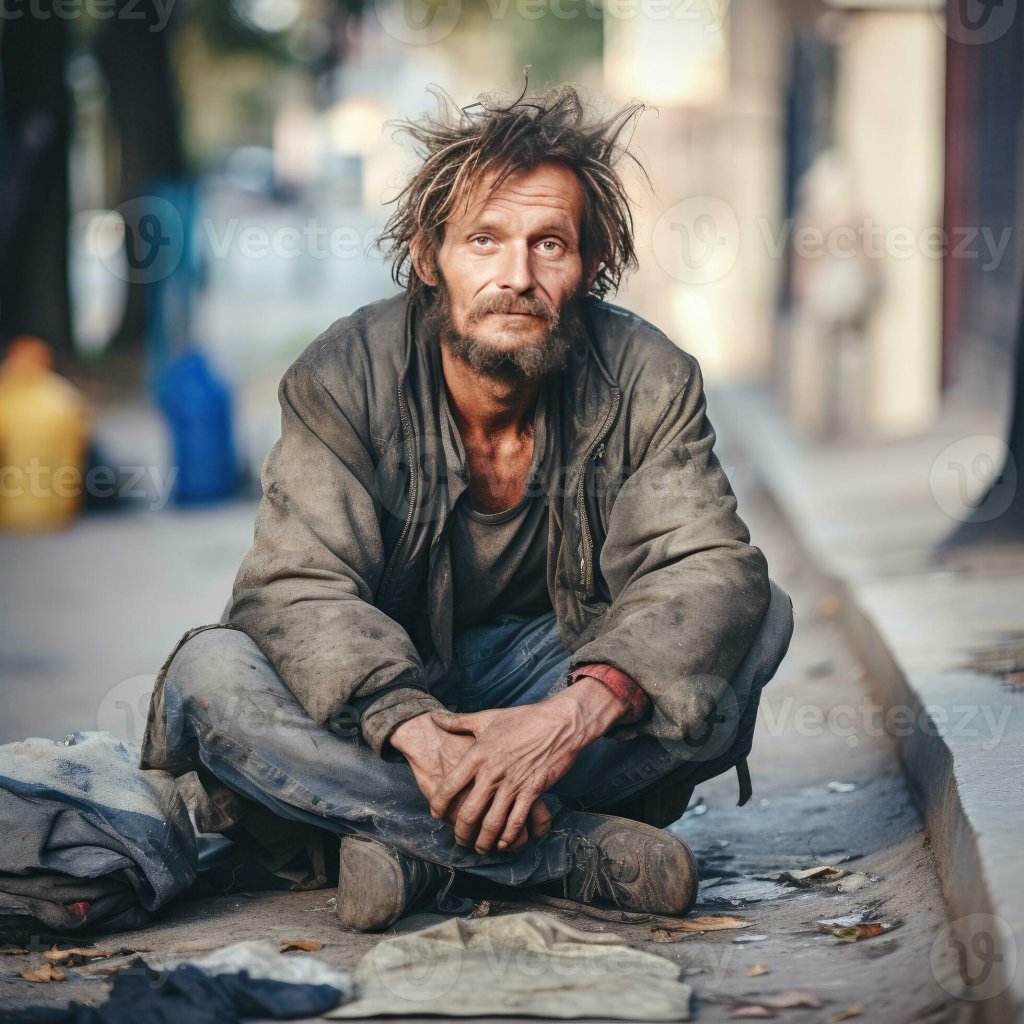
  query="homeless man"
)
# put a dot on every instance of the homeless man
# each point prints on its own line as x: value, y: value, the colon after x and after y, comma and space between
x: 500, y: 614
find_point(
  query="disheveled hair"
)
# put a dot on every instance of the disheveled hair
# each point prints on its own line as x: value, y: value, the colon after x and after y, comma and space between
x: 459, y: 146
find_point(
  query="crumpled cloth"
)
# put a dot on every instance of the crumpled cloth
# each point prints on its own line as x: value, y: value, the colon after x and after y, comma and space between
x: 520, y: 965
x: 90, y: 840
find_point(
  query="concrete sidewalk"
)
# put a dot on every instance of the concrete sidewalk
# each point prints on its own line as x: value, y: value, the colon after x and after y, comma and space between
x: 942, y: 637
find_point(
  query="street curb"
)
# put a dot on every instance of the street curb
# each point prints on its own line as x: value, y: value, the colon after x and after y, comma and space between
x: 926, y: 757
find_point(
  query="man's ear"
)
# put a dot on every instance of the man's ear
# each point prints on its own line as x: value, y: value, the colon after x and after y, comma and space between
x: 424, y: 260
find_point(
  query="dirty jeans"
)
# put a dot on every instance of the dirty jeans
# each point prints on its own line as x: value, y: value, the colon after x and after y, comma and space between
x: 226, y: 706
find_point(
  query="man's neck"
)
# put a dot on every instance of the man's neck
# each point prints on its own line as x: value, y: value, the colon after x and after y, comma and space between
x: 487, y: 407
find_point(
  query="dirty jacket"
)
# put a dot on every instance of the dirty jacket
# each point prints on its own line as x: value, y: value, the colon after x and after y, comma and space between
x: 347, y: 586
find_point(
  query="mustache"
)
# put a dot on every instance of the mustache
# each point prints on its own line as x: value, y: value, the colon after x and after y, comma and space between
x: 503, y: 303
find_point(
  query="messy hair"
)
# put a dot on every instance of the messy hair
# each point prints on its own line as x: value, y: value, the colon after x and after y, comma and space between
x: 460, y: 146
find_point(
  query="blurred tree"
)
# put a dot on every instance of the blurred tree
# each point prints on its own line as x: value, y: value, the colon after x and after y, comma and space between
x: 133, y: 49
x: 34, y: 203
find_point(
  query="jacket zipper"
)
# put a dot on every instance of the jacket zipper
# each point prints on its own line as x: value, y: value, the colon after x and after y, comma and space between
x: 413, y: 490
x: 587, y: 558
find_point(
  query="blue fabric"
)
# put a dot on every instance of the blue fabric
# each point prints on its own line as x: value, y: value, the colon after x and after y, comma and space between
x: 90, y: 839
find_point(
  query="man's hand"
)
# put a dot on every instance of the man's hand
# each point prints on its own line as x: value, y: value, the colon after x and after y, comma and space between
x: 433, y: 752
x: 519, y: 753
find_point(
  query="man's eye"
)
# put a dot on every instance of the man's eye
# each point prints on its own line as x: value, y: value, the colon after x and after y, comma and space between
x: 481, y: 241
x: 549, y: 245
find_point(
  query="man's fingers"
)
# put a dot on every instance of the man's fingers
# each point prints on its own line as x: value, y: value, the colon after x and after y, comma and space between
x: 455, y: 781
x: 470, y: 813
x: 539, y: 821
x: 493, y: 823
x: 517, y: 819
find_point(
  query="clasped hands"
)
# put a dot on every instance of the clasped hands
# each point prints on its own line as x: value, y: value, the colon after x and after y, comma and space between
x: 485, y: 772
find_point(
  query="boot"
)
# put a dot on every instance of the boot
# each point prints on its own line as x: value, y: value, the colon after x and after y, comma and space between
x: 377, y: 884
x: 629, y: 864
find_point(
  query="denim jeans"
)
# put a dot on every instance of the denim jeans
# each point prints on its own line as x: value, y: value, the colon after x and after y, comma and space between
x: 226, y: 707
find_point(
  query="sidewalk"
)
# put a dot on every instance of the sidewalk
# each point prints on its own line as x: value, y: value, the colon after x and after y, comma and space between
x: 942, y: 638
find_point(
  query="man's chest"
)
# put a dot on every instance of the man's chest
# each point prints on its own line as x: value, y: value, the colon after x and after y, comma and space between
x: 498, y: 473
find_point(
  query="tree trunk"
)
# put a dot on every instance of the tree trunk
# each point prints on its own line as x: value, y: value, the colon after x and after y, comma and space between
x: 133, y: 48
x: 34, y: 202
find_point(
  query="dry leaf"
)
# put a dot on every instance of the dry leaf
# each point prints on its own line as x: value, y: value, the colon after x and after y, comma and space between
x: 12, y: 951
x: 73, y: 957
x: 757, y: 970
x: 47, y: 972
x: 793, y: 1000
x: 753, y: 1010
x: 853, y: 928
x: 664, y: 935
x: 836, y: 1018
x: 306, y: 945
x: 482, y: 909
x: 708, y: 923
x: 828, y: 872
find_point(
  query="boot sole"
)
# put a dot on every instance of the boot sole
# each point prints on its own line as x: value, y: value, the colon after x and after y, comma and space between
x: 370, y: 886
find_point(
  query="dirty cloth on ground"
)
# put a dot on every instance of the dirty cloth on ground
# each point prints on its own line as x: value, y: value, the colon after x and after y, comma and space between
x: 90, y: 839
x: 142, y: 995
x: 520, y: 965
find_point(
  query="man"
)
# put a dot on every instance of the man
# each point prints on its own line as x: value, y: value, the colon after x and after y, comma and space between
x: 498, y: 587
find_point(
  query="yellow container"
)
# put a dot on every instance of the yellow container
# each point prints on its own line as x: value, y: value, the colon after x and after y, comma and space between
x: 44, y: 435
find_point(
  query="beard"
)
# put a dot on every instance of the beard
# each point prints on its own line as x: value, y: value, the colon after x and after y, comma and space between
x: 533, y: 360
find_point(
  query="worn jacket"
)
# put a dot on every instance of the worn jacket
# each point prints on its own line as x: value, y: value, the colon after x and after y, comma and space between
x: 347, y: 586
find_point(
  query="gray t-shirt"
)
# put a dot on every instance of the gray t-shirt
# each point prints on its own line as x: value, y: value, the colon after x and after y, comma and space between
x: 499, y: 559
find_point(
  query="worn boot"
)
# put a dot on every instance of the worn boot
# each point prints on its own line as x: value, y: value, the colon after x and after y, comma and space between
x: 377, y: 884
x: 630, y: 864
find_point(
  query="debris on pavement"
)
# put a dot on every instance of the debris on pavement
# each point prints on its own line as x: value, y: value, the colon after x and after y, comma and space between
x: 854, y: 927
x: 753, y: 1011
x: 758, y: 970
x: 47, y: 972
x: 671, y: 930
x: 854, y: 881
x: 305, y: 945
x: 841, y: 787
x: 847, y: 1014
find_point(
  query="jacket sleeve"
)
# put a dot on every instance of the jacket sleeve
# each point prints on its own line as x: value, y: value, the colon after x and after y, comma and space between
x: 688, y: 589
x: 305, y: 590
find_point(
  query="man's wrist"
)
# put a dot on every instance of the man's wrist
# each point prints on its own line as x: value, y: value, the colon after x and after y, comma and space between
x: 411, y: 734
x: 597, y: 708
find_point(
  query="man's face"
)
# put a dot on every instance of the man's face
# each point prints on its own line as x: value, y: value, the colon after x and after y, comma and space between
x: 511, y: 273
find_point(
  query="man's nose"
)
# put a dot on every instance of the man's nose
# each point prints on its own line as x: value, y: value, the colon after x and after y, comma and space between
x: 515, y: 271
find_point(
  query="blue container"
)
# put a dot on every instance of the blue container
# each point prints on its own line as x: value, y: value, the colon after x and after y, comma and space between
x: 198, y: 408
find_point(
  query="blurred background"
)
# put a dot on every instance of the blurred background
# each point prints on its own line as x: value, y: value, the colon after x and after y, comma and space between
x: 188, y: 196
